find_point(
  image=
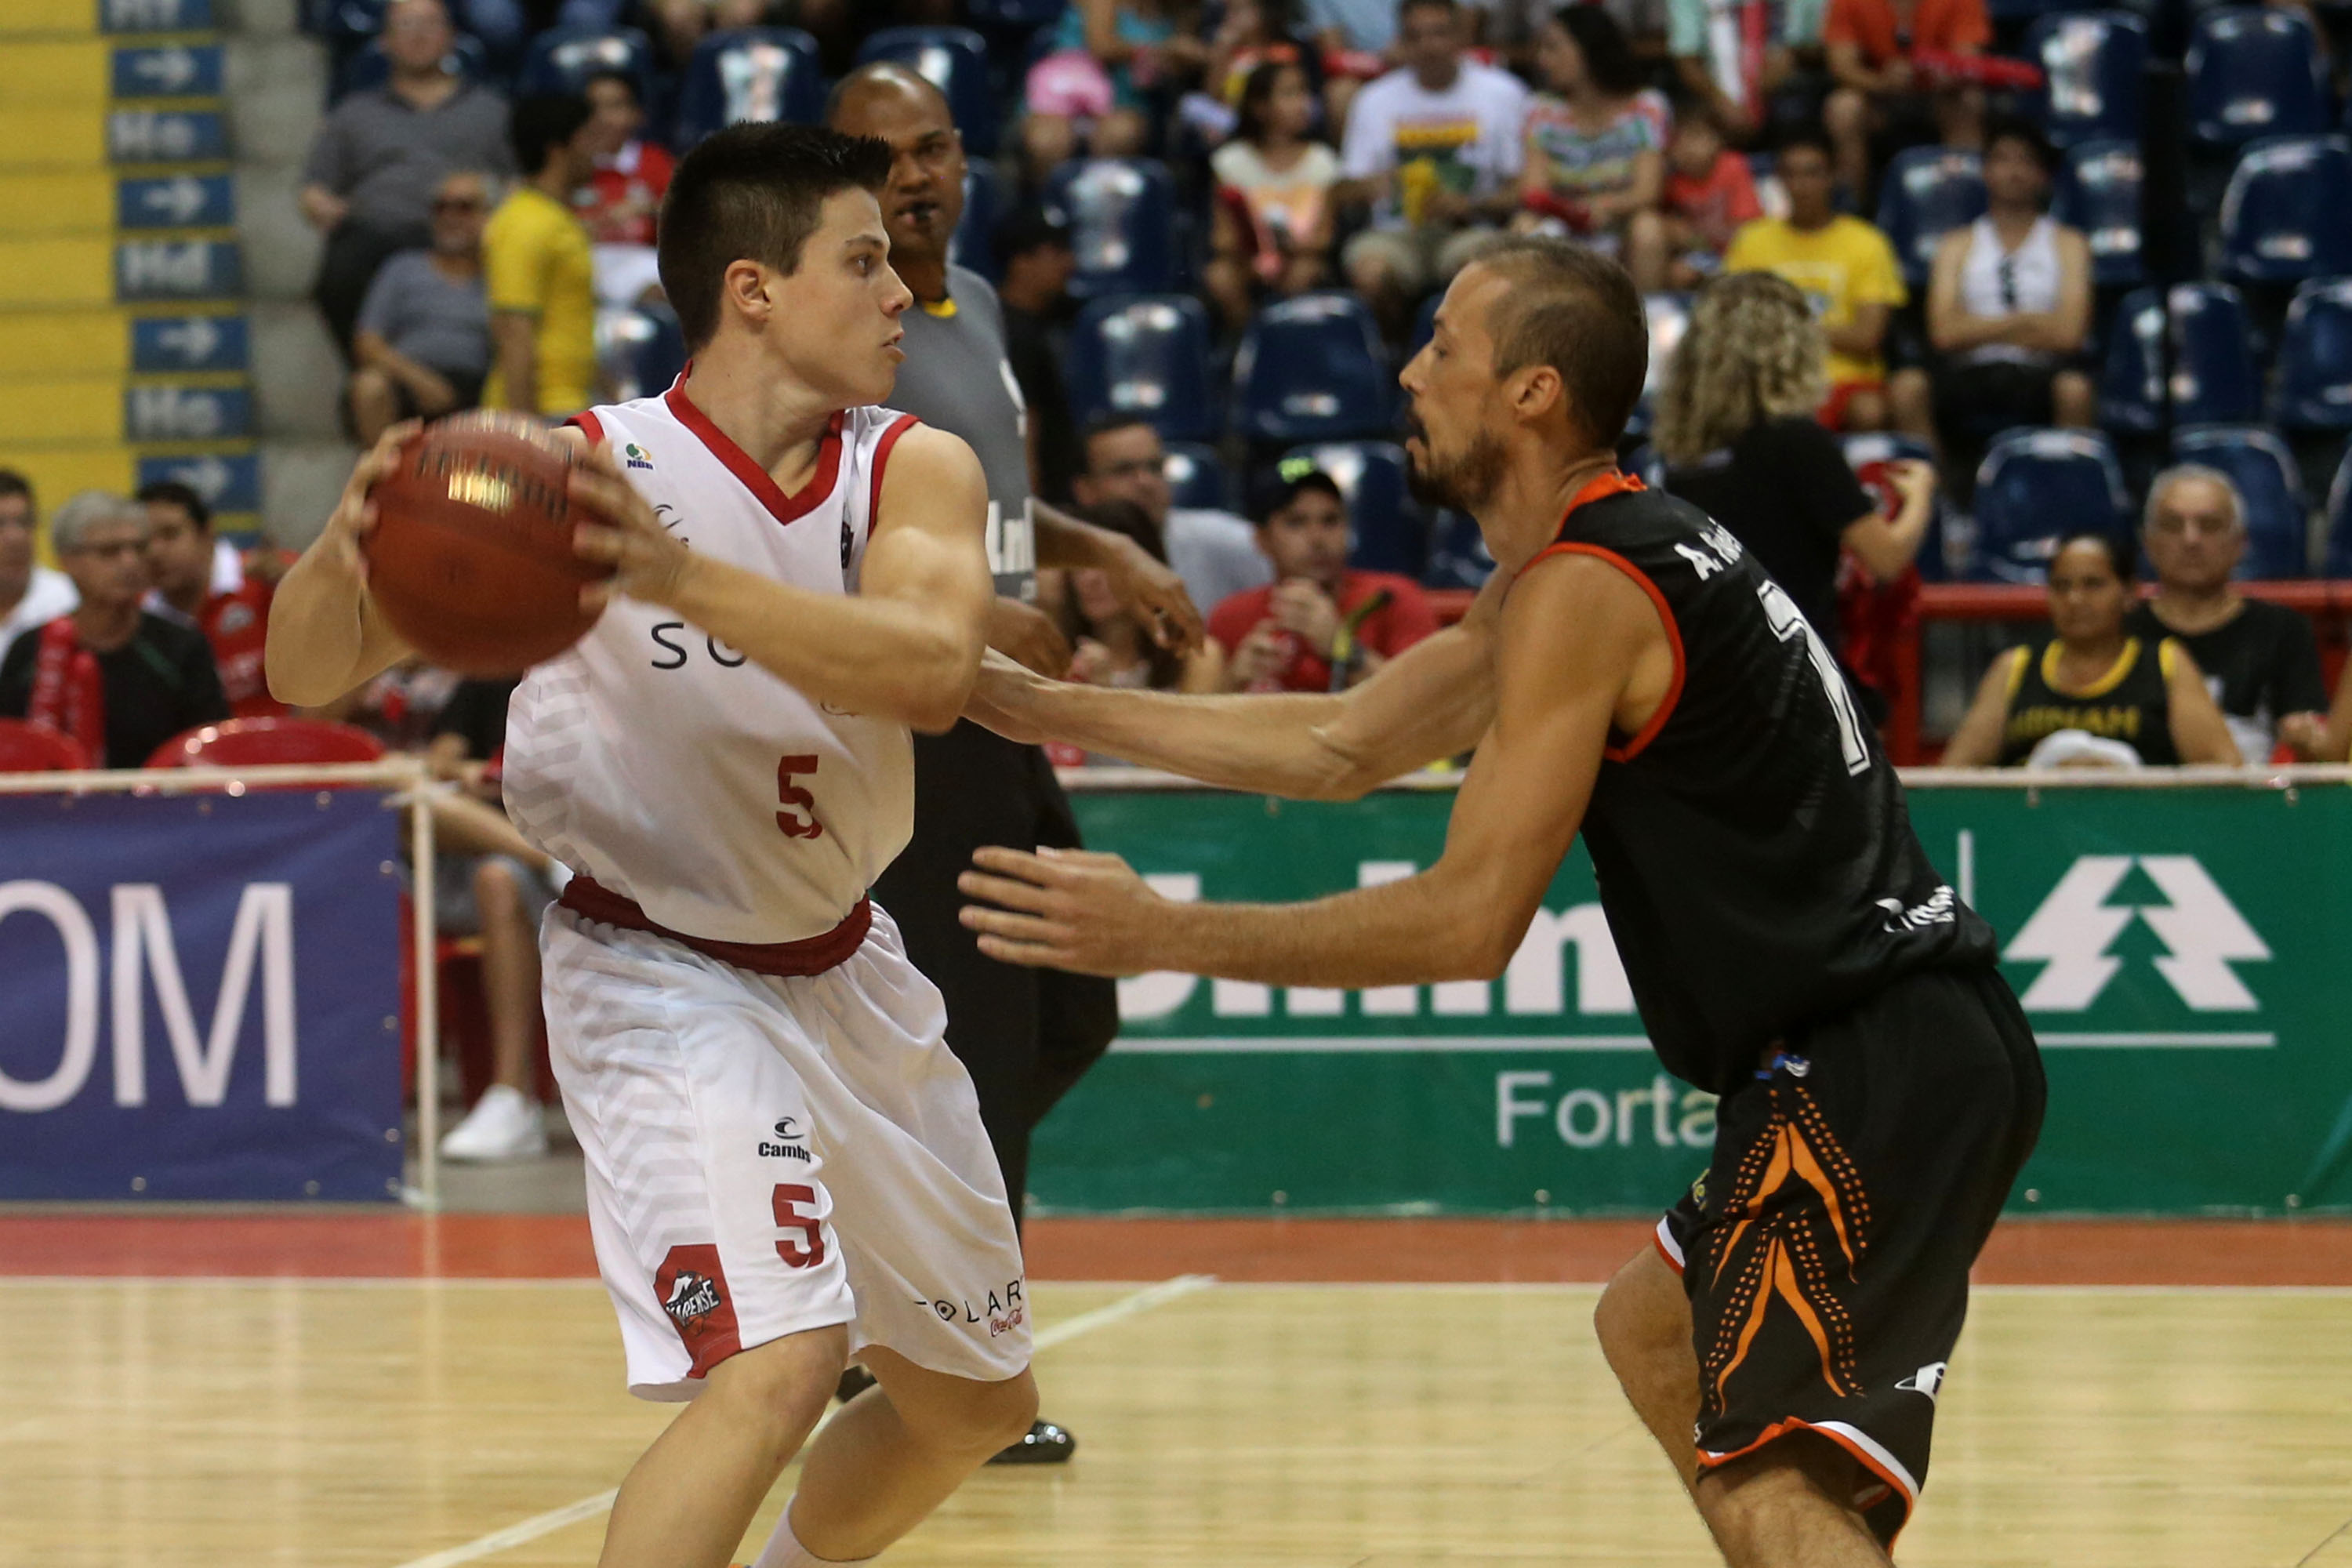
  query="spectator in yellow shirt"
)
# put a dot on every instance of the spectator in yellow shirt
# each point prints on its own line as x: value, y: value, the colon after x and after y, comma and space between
x: 537, y: 270
x: 1845, y: 267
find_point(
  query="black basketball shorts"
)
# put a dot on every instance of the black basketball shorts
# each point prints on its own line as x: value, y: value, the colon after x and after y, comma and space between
x: 1826, y: 1250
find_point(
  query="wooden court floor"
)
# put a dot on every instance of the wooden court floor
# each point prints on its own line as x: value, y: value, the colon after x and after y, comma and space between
x: 396, y: 1422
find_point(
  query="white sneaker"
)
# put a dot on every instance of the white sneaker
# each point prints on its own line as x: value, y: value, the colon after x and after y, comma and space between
x: 503, y: 1125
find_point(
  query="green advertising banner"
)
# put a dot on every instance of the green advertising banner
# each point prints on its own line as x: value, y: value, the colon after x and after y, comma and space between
x: 2185, y: 955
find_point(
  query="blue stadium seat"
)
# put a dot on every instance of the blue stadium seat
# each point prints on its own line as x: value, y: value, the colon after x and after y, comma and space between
x: 2098, y: 192
x: 370, y: 68
x: 954, y: 60
x: 1310, y: 369
x: 2213, y: 377
x: 2338, y: 562
x: 1198, y: 478
x: 2253, y: 70
x: 2287, y: 215
x: 561, y: 60
x: 1927, y: 191
x: 1458, y: 557
x: 1122, y: 216
x: 2278, y: 523
x: 749, y: 73
x: 2034, y: 488
x: 985, y: 198
x: 1147, y: 355
x: 1014, y: 16
x: 1392, y: 529
x: 2091, y: 62
x: 2315, y: 365
x: 1867, y: 454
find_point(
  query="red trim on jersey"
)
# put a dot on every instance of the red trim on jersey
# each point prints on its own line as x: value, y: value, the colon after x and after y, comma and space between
x: 587, y: 420
x: 899, y: 426
x: 1601, y: 487
x: 756, y: 479
x: 590, y: 900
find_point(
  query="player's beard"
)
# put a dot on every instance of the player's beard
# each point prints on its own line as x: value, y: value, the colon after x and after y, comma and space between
x: 1459, y: 481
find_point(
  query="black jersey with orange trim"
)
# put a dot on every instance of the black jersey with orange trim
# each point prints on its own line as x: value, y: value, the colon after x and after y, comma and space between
x: 1756, y: 861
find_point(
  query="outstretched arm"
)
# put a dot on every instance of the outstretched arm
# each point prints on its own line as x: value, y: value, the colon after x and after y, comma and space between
x: 904, y: 647
x: 1583, y: 649
x: 1432, y: 701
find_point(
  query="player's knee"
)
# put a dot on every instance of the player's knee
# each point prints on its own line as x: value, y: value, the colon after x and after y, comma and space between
x: 1640, y: 1314
x: 977, y: 1420
x: 781, y: 1388
x: 494, y: 885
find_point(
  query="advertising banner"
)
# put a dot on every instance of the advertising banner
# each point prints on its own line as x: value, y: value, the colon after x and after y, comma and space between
x: 2185, y: 955
x: 200, y: 996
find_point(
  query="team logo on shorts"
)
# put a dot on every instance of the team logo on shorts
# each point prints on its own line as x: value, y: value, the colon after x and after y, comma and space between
x: 692, y: 1289
x: 788, y: 1145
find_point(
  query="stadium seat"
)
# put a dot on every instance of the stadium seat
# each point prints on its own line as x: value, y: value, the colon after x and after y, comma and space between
x: 2213, y: 377
x: 1198, y: 478
x: 2287, y: 215
x: 2090, y: 63
x: 2036, y: 487
x: 561, y: 60
x: 954, y: 60
x: 1015, y: 15
x: 1311, y: 369
x: 2337, y: 561
x: 2314, y: 366
x: 2098, y: 192
x: 1868, y: 454
x: 1458, y: 557
x: 641, y: 349
x: 1146, y: 355
x: 1122, y: 215
x: 29, y: 748
x: 1391, y: 530
x: 2253, y: 70
x: 266, y: 742
x: 749, y: 73
x: 975, y: 244
x: 370, y: 68
x: 2278, y: 521
x: 1927, y: 191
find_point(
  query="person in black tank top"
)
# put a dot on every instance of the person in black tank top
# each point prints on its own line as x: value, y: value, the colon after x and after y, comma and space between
x: 1631, y: 672
x: 2088, y: 694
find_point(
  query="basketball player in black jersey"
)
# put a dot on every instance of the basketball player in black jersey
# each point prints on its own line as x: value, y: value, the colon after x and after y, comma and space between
x: 1631, y: 673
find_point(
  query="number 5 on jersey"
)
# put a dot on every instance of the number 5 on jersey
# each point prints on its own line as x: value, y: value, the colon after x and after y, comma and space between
x: 791, y: 795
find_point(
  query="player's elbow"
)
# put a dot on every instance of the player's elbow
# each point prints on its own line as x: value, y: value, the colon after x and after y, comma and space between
x: 296, y: 683
x: 1486, y: 954
x: 943, y: 684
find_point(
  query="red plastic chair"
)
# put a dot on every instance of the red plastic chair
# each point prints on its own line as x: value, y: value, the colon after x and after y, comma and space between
x: 29, y: 748
x: 262, y: 742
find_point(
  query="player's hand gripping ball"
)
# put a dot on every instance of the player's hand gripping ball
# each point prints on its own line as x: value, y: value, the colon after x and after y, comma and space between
x: 471, y: 556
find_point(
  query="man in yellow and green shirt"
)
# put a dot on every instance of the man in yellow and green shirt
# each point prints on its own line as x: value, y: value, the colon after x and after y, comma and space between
x: 536, y: 271
x: 1843, y: 265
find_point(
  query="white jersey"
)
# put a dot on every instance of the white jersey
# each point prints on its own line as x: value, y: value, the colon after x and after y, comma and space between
x: 667, y: 766
x: 1997, y: 282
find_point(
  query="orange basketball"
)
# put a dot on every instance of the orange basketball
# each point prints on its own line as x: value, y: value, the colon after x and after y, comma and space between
x: 471, y: 557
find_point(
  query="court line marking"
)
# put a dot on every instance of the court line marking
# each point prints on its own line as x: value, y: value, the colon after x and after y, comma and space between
x: 570, y: 1513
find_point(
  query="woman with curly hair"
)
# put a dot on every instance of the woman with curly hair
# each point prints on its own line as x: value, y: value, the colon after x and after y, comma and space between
x: 1735, y: 424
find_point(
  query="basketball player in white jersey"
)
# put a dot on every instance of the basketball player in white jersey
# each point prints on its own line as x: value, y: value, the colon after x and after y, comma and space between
x: 786, y: 1168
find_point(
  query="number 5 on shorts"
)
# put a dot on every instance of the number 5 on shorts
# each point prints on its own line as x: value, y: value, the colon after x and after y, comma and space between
x: 812, y: 1229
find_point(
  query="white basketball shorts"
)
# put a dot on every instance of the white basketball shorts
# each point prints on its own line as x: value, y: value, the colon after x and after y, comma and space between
x: 767, y: 1156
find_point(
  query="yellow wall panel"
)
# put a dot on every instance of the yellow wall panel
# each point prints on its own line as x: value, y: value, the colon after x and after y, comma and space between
x: 54, y: 73
x: 50, y: 272
x: 54, y: 202
x: 57, y: 472
x: 52, y: 342
x: 47, y: 139
x: 58, y: 412
x: 47, y: 16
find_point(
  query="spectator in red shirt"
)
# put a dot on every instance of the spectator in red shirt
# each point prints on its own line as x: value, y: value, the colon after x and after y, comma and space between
x: 1710, y: 194
x: 1872, y: 45
x: 180, y: 564
x: 1321, y: 625
x: 623, y: 198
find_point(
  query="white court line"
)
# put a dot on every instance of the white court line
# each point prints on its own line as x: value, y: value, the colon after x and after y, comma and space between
x: 546, y: 1523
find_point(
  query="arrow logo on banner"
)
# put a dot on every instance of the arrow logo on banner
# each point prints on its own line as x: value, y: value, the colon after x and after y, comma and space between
x: 194, y: 340
x: 179, y: 198
x: 169, y: 70
x: 208, y: 478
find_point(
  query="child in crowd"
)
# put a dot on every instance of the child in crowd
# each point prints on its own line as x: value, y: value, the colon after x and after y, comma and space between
x: 1710, y: 194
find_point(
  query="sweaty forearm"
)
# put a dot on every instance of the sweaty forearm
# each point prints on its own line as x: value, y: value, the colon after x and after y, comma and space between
x: 1412, y: 933
x: 882, y: 658
x: 1267, y: 744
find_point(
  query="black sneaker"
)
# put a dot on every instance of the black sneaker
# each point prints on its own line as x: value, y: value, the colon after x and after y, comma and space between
x: 855, y: 1381
x: 1046, y: 1444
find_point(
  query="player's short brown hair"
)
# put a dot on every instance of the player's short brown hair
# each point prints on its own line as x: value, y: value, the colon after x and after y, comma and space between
x: 753, y: 192
x: 1578, y: 313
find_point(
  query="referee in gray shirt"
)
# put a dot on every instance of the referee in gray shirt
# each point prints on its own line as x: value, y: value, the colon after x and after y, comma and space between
x: 1024, y: 1035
